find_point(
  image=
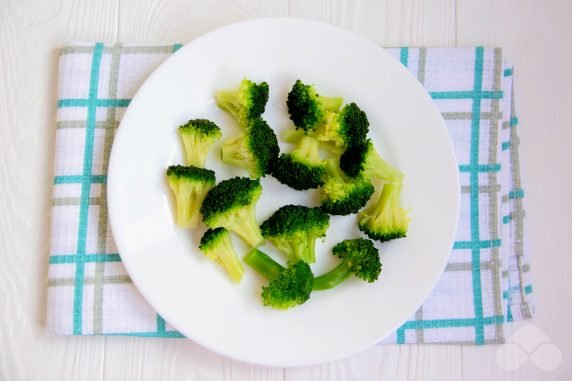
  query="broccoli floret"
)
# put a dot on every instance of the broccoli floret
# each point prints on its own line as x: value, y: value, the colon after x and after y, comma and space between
x: 255, y: 150
x: 363, y: 159
x: 190, y: 186
x: 231, y: 205
x: 302, y: 168
x: 198, y: 135
x: 293, y: 229
x: 341, y: 195
x: 307, y: 109
x: 385, y: 220
x: 246, y: 102
x: 342, y: 130
x: 288, y: 287
x: 216, y: 245
x: 359, y: 257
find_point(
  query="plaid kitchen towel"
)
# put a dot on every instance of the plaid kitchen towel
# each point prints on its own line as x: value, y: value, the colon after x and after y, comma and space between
x: 485, y: 284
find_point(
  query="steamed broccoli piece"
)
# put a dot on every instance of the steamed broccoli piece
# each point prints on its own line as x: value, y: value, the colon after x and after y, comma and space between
x: 231, y: 205
x: 308, y: 109
x: 302, y: 168
x: 246, y: 102
x: 255, y: 150
x: 359, y: 257
x: 342, y: 130
x: 198, y: 135
x: 190, y: 186
x: 288, y: 287
x: 216, y: 245
x: 341, y: 195
x: 293, y: 229
x: 363, y: 159
x: 385, y: 220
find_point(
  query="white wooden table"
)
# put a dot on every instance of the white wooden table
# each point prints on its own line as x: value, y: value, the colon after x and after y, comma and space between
x: 535, y: 36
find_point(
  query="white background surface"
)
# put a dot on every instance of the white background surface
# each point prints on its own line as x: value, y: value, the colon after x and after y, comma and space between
x: 535, y: 36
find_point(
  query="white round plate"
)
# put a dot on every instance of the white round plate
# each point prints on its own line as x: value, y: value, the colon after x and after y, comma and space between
x: 193, y: 294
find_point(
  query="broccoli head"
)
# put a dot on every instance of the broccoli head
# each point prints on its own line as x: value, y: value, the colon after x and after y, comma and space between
x: 198, y: 135
x: 190, y: 186
x: 288, y: 287
x: 307, y: 109
x: 231, y: 205
x: 342, y: 130
x: 341, y: 195
x: 359, y: 257
x: 255, y: 150
x: 385, y: 220
x: 293, y: 229
x: 363, y: 159
x: 302, y: 168
x: 216, y: 244
x: 246, y: 102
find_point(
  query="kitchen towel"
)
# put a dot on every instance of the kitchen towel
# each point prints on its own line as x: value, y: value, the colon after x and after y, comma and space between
x: 486, y: 283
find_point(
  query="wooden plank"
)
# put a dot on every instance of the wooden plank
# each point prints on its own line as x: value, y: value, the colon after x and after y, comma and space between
x: 388, y: 362
x: 30, y: 35
x: 388, y: 23
x: 166, y: 21
x: 175, y: 359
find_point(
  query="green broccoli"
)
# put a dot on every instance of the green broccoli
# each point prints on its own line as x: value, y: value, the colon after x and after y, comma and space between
x: 190, y: 185
x: 198, y: 136
x: 246, y: 102
x: 342, y: 130
x: 231, y: 205
x: 216, y: 245
x: 288, y: 287
x: 363, y: 159
x: 359, y: 257
x: 293, y: 229
x: 255, y: 150
x: 341, y: 195
x: 302, y: 168
x: 385, y: 220
x: 307, y: 109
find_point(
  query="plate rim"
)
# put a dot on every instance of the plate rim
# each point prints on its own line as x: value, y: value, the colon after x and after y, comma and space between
x: 157, y: 71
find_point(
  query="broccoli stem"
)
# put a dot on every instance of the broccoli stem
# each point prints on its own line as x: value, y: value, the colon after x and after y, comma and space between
x: 187, y: 216
x: 333, y: 277
x: 333, y: 170
x: 293, y: 136
x: 233, y: 267
x: 232, y: 149
x: 331, y: 103
x: 383, y: 170
x: 197, y: 155
x: 229, y: 260
x: 386, y: 202
x: 195, y: 203
x: 247, y: 228
x: 226, y: 99
x: 263, y: 264
x: 308, y: 148
x: 235, y: 152
x: 297, y: 249
x: 310, y: 252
